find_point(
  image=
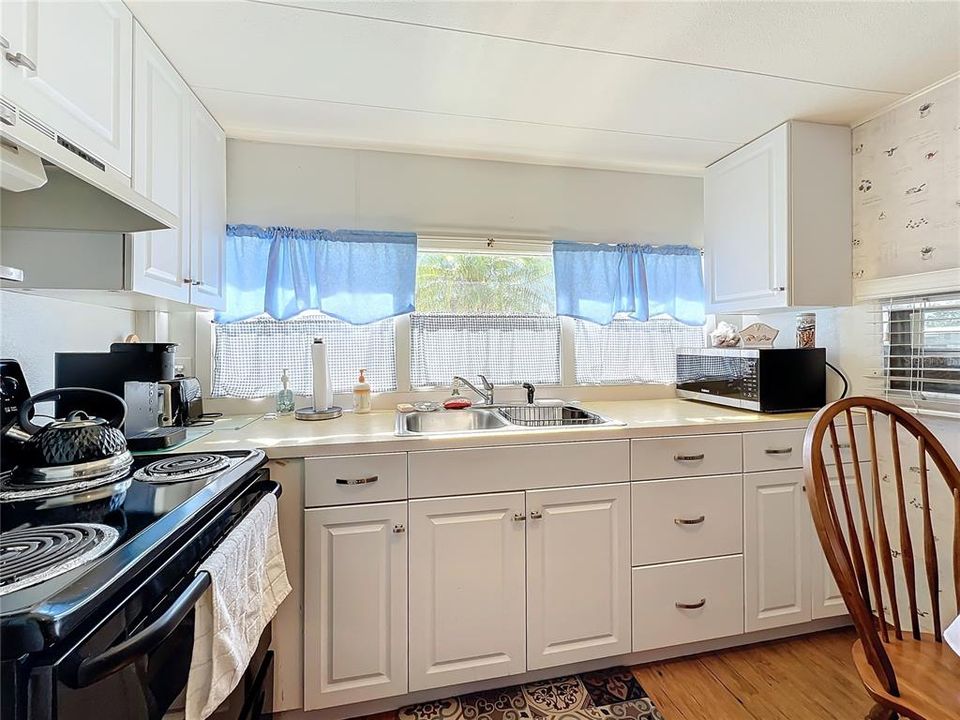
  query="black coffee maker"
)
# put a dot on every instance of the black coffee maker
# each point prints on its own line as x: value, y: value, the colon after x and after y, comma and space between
x: 13, y: 393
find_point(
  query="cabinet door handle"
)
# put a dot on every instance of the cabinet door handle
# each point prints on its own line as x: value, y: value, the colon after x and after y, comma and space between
x: 399, y: 528
x: 536, y: 515
x: 778, y: 289
x: 195, y: 282
x: 690, y: 606
x: 779, y: 451
x: 684, y: 458
x: 519, y: 517
x: 187, y: 281
x: 358, y: 481
x: 689, y: 521
x: 21, y: 60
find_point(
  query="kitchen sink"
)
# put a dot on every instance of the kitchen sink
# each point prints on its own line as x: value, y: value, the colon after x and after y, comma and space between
x: 498, y: 417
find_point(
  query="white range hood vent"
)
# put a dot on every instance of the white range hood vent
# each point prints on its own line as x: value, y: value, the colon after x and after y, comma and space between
x: 50, y: 183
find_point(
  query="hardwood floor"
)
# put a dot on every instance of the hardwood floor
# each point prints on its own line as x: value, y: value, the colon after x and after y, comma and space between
x: 805, y: 678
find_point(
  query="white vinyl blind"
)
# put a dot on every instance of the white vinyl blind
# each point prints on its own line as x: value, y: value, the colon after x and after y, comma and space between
x: 920, y: 352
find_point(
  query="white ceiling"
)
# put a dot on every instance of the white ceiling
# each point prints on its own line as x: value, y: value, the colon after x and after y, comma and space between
x: 632, y: 85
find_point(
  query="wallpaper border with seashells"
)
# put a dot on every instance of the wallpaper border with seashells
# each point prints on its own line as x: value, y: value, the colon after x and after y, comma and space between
x: 906, y: 193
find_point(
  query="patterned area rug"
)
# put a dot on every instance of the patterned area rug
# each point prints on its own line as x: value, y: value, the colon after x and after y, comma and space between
x: 601, y: 695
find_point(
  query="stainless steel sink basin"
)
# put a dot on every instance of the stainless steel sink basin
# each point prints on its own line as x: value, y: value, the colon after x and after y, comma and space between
x: 450, y: 421
x: 498, y: 417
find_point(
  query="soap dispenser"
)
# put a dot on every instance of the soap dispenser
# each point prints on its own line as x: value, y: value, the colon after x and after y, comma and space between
x: 361, y: 394
x: 285, y: 396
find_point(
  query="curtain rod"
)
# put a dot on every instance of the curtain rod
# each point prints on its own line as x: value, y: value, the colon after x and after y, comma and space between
x: 492, y: 240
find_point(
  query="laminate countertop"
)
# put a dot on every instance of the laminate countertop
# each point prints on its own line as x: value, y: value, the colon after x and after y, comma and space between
x: 286, y: 437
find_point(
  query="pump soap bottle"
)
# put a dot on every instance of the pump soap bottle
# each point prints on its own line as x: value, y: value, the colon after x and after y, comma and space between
x: 285, y: 396
x: 361, y: 394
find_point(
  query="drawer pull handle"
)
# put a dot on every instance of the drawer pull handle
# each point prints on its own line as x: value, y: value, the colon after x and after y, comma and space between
x: 842, y: 446
x: 399, y: 528
x: 684, y: 458
x: 779, y: 451
x: 536, y: 515
x: 691, y: 606
x: 358, y: 481
x: 519, y: 517
x: 689, y: 521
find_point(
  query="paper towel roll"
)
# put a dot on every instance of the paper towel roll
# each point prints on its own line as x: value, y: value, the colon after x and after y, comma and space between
x: 322, y: 394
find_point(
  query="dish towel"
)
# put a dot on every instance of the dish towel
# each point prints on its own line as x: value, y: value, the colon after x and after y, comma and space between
x: 952, y: 635
x: 249, y: 581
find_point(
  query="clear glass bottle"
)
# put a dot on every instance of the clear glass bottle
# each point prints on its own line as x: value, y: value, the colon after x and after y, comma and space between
x: 285, y: 396
x: 807, y: 330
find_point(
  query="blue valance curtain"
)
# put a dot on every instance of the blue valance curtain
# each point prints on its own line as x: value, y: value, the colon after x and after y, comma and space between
x: 595, y: 282
x: 354, y: 275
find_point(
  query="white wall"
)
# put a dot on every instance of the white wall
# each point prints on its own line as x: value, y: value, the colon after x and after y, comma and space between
x: 273, y: 184
x: 33, y: 328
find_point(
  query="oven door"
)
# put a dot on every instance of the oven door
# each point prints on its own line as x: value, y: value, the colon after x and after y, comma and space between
x: 135, y: 665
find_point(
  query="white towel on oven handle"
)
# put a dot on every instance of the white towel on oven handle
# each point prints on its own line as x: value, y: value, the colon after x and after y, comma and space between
x: 248, y: 583
x: 952, y: 635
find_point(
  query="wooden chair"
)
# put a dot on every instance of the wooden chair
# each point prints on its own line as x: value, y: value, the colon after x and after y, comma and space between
x: 905, y: 671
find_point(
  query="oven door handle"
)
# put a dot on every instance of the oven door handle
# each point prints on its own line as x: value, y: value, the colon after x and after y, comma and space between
x: 100, y: 666
x: 97, y: 667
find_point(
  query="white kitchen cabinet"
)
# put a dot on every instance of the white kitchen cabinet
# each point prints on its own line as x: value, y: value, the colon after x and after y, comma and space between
x: 160, y: 260
x: 467, y: 616
x: 826, y: 598
x: 578, y: 574
x: 355, y: 604
x: 180, y: 163
x: 208, y: 208
x: 776, y: 549
x: 777, y: 221
x: 69, y: 67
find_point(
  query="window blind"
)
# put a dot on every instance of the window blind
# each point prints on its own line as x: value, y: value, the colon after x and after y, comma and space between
x: 920, y: 352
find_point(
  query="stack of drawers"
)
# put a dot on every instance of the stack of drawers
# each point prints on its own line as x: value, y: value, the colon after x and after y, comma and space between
x: 687, y: 539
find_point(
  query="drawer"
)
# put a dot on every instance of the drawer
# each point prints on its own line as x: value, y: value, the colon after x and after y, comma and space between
x: 654, y: 458
x: 773, y: 450
x: 843, y: 439
x: 686, y: 519
x: 352, y: 479
x: 518, y: 467
x: 687, y: 602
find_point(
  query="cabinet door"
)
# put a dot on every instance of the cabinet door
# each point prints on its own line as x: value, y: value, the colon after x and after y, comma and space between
x: 75, y: 74
x: 578, y: 574
x: 466, y: 589
x: 354, y: 604
x: 746, y: 225
x: 776, y: 546
x: 827, y: 600
x: 208, y: 162
x: 159, y: 260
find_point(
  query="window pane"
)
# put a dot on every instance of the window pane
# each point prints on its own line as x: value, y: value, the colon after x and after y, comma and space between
x: 922, y: 348
x: 474, y: 284
x: 508, y: 349
x: 628, y: 351
x: 250, y: 355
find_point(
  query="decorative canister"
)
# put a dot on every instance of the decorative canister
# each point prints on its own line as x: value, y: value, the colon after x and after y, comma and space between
x: 806, y: 330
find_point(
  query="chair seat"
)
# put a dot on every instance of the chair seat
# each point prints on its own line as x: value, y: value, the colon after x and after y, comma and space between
x: 928, y: 675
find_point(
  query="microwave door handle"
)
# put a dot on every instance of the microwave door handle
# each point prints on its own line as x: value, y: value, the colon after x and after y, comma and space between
x: 100, y: 666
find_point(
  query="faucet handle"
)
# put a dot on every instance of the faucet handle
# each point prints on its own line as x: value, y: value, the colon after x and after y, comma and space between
x: 487, y: 385
x: 530, y: 392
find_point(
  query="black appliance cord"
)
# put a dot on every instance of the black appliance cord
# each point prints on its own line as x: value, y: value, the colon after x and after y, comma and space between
x: 846, y: 385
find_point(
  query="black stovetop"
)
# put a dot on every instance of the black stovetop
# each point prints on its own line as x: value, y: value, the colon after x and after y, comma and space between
x: 148, y: 519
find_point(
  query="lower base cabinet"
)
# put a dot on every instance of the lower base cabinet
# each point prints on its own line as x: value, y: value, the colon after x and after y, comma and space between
x: 685, y: 602
x: 578, y: 574
x: 467, y: 600
x: 355, y: 604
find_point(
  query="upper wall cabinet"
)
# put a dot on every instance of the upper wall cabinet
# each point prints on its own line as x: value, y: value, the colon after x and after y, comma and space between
x: 777, y: 225
x: 179, y: 162
x: 161, y: 163
x: 87, y: 102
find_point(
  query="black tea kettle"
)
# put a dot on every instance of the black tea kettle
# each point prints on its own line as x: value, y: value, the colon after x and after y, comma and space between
x: 78, y: 446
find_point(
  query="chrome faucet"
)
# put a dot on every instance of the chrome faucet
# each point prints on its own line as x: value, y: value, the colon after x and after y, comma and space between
x: 486, y: 393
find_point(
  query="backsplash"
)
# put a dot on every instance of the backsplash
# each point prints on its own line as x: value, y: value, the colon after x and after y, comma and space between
x: 33, y: 328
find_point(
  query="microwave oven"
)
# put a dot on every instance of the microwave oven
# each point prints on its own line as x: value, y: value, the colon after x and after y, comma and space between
x: 760, y: 379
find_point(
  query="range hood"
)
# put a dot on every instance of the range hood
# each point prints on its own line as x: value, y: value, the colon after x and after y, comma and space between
x: 49, y: 183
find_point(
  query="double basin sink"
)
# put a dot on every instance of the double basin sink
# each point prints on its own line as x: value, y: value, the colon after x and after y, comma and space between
x: 487, y: 418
